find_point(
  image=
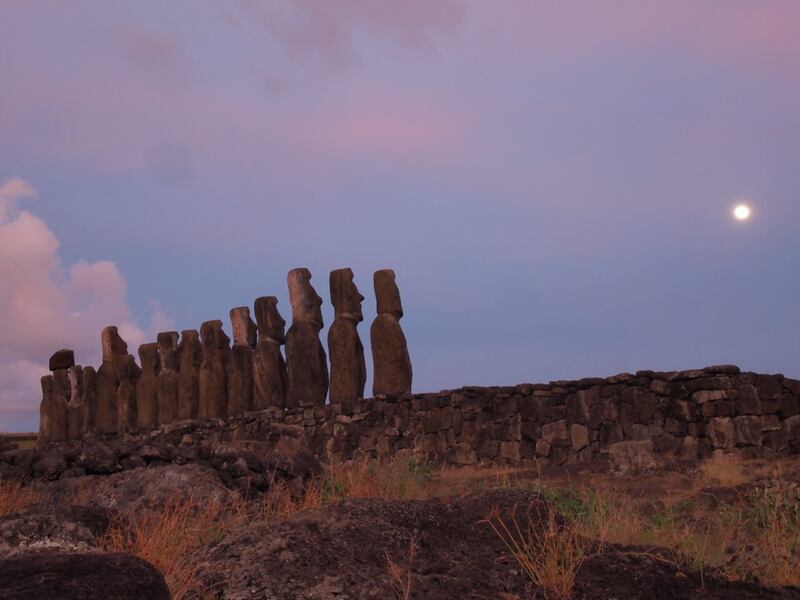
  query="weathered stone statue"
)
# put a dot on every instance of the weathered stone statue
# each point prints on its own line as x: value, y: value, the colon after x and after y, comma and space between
x: 214, y: 371
x: 56, y: 394
x: 307, y: 363
x: 147, y: 388
x: 240, y: 367
x: 168, y: 377
x: 75, y: 407
x: 46, y: 411
x: 190, y: 351
x: 348, y: 369
x: 89, y: 400
x: 115, y: 386
x: 269, y: 368
x: 392, y: 364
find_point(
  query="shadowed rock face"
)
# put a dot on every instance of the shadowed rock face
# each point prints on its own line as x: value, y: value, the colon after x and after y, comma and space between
x: 63, y: 359
x: 214, y: 371
x: 89, y: 400
x: 147, y: 388
x: 190, y: 351
x: 113, y: 386
x: 240, y: 367
x: 269, y: 368
x: 348, y: 368
x: 307, y: 363
x: 126, y: 395
x: 87, y: 576
x: 392, y: 364
x: 168, y: 377
x: 45, y: 410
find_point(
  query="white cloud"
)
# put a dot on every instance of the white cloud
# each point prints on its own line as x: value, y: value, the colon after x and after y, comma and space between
x: 44, y: 307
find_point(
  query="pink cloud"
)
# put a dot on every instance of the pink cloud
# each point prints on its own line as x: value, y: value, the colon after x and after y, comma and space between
x: 44, y: 307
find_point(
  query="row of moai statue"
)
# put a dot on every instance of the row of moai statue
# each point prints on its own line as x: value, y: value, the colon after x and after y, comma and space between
x: 200, y: 376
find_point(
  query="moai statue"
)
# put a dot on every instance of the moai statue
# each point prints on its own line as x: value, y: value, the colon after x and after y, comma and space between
x: 307, y: 363
x: 111, y: 394
x: 147, y: 388
x: 269, y: 368
x: 190, y: 352
x: 89, y: 400
x: 168, y: 377
x: 126, y: 395
x: 240, y: 367
x: 348, y: 369
x: 391, y: 362
x: 213, y: 371
x: 75, y: 407
x: 46, y: 410
x: 55, y: 397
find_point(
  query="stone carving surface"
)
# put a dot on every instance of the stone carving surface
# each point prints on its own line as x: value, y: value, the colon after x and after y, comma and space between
x: 63, y: 359
x: 45, y: 410
x: 392, y: 364
x: 75, y: 406
x: 168, y: 377
x: 115, y: 386
x: 269, y: 367
x: 307, y: 363
x: 89, y: 400
x: 348, y: 368
x: 244, y: 330
x: 147, y: 388
x: 213, y: 371
x: 190, y: 351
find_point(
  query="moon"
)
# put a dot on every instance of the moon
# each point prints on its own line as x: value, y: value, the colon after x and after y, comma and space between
x: 742, y: 212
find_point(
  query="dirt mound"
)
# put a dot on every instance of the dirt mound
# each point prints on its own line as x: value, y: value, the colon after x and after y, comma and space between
x: 343, y: 551
x: 58, y: 576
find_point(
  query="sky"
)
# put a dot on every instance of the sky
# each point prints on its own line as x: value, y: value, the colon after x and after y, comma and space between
x: 553, y: 182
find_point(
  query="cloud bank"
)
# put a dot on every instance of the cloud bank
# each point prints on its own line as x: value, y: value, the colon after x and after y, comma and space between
x: 45, y: 306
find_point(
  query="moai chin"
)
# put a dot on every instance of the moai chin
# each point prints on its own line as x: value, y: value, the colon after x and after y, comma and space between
x: 213, y: 381
x: 190, y: 351
x: 169, y: 363
x: 348, y: 368
x: 391, y: 362
x: 307, y: 363
x: 269, y: 367
x: 147, y: 388
x: 240, y: 366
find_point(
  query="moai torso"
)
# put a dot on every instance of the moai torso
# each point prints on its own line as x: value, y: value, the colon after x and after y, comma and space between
x: 348, y: 368
x: 75, y: 407
x: 56, y: 394
x: 269, y: 367
x: 213, y: 371
x: 89, y: 400
x: 240, y: 366
x: 306, y: 361
x: 391, y: 362
x: 168, y: 377
x: 190, y: 351
x: 46, y: 410
x: 147, y: 388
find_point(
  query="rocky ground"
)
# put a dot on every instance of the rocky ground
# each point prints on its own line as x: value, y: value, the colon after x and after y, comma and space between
x: 423, y: 533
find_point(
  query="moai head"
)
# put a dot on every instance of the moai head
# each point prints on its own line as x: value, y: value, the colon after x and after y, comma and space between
x: 148, y: 357
x: 114, y: 346
x: 306, y: 303
x: 168, y: 350
x: 271, y: 325
x: 244, y: 330
x: 345, y: 296
x: 387, y: 294
x: 212, y: 335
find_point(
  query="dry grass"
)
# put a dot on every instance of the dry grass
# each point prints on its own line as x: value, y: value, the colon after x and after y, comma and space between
x: 550, y: 556
x: 14, y: 497
x: 402, y: 578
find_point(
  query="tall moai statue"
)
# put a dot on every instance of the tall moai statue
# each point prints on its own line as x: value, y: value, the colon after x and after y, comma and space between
x: 214, y: 372
x: 56, y: 393
x: 391, y: 362
x: 75, y: 406
x: 270, y: 378
x: 240, y: 366
x: 307, y: 363
x: 168, y: 377
x: 115, y: 386
x: 89, y: 400
x: 147, y: 388
x: 348, y: 369
x: 190, y: 351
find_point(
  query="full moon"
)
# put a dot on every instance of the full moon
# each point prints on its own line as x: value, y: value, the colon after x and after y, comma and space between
x: 742, y: 212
